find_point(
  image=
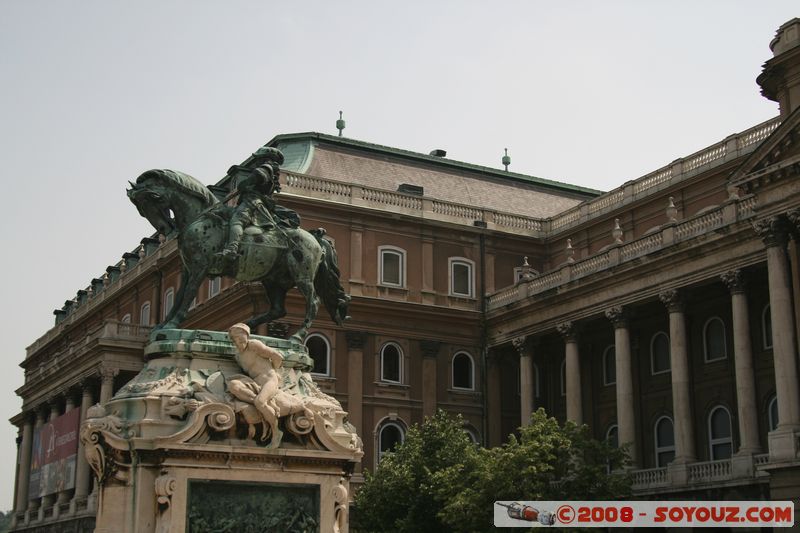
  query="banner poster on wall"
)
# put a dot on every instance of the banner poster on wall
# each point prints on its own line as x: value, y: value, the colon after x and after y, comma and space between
x: 54, y: 455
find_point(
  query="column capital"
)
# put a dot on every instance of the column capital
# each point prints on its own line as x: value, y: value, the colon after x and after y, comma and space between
x: 672, y: 300
x: 793, y: 217
x: 107, y: 372
x: 773, y: 230
x: 429, y: 348
x: 734, y: 280
x: 618, y: 316
x: 355, y: 339
x: 519, y: 344
x: 568, y: 330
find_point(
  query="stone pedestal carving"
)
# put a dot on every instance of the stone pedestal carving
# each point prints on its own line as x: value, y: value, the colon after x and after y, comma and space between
x: 177, y: 433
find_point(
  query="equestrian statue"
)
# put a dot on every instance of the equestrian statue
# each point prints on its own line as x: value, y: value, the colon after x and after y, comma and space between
x: 256, y: 240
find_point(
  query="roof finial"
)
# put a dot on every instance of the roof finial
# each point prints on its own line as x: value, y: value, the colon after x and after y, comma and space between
x: 506, y: 159
x: 340, y: 124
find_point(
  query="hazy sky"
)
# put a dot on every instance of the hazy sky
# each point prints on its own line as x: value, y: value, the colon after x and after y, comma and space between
x: 93, y: 93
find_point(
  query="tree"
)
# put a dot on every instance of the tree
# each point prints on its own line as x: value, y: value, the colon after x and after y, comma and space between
x: 438, y: 481
x: 401, y: 495
x: 546, y: 462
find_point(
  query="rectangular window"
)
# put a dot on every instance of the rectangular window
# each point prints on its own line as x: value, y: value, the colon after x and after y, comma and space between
x: 461, y: 283
x: 214, y: 286
x: 392, y: 266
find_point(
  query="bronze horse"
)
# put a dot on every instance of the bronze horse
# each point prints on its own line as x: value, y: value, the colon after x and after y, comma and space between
x: 280, y: 258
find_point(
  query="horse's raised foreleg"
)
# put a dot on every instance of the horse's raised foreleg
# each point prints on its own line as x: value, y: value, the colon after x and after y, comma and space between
x: 306, y: 288
x: 190, y: 282
x: 277, y: 305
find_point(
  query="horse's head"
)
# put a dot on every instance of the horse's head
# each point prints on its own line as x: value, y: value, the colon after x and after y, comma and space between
x: 152, y: 205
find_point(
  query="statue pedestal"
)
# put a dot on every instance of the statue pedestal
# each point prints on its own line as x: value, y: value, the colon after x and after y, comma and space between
x: 174, y: 447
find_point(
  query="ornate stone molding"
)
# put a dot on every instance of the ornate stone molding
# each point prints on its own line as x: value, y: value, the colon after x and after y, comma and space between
x: 107, y: 372
x: 672, y: 300
x: 618, y: 316
x: 355, y: 340
x: 164, y: 487
x: 568, y: 330
x: 772, y: 230
x: 734, y: 280
x: 430, y: 348
x: 340, y: 510
x: 520, y: 344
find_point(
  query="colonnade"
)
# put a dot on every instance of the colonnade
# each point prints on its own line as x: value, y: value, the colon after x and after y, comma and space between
x: 67, y: 502
x: 774, y: 232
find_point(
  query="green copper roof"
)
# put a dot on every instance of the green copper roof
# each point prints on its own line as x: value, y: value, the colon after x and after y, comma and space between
x: 298, y: 151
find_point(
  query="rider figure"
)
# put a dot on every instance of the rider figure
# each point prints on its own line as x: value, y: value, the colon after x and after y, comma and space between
x: 255, y: 205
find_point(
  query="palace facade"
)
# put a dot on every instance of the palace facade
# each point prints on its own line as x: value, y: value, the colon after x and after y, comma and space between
x: 661, y: 313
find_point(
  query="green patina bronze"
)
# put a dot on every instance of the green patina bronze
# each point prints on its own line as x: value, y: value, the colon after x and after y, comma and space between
x: 257, y: 240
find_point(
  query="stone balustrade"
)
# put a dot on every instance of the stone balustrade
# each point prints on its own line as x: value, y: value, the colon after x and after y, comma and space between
x: 680, y: 170
x: 107, y: 330
x: 668, y: 235
x: 698, y: 474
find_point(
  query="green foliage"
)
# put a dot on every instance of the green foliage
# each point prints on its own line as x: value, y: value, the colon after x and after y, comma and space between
x: 402, y: 494
x: 438, y: 481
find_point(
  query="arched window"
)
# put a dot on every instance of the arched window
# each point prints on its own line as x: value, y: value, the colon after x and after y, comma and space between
x: 391, y: 363
x: 463, y: 371
x: 659, y: 353
x: 772, y: 412
x: 612, y: 437
x: 719, y: 434
x: 665, y: 441
x: 214, y: 286
x: 389, y: 436
x: 766, y: 327
x: 126, y: 319
x: 144, y: 314
x: 169, y: 301
x: 461, y: 278
x: 714, y: 345
x: 391, y: 266
x: 320, y: 351
x: 564, y: 377
x: 609, y: 366
x: 472, y: 434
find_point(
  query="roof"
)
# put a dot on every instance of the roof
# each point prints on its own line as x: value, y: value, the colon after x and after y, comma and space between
x: 443, y: 162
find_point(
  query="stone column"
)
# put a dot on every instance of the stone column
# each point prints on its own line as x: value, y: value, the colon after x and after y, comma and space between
x: 49, y: 499
x: 65, y: 495
x: 569, y: 331
x: 107, y: 375
x: 23, y: 476
x: 35, y: 503
x: 743, y: 361
x: 430, y: 352
x: 83, y: 471
x: 355, y: 378
x: 626, y: 419
x: 494, y: 400
x: 681, y: 390
x: 774, y: 233
x: 526, y: 384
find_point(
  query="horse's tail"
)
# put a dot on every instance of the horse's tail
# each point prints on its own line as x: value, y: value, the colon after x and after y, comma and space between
x: 327, y: 283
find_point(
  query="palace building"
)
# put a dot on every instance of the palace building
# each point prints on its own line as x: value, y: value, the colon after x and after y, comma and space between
x: 661, y: 313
